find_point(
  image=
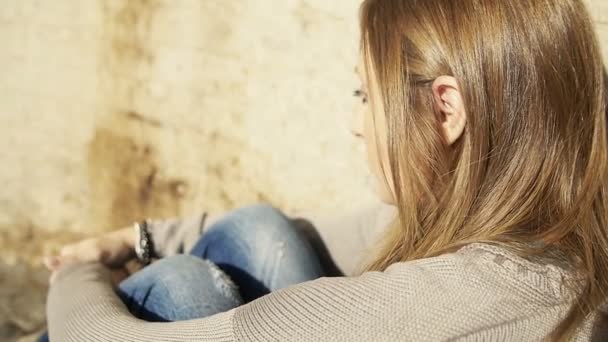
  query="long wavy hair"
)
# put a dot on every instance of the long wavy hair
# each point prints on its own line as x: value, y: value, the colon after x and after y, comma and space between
x: 530, y: 171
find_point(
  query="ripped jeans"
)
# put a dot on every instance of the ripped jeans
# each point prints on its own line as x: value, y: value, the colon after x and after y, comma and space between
x: 250, y: 252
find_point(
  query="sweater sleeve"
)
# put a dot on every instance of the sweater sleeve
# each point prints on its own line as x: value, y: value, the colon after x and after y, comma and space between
x: 376, y: 306
x: 82, y: 306
x: 177, y: 235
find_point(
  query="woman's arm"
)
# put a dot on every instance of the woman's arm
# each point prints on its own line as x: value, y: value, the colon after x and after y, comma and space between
x: 82, y: 306
x: 116, y: 248
x: 113, y: 249
x: 359, y: 227
x: 480, y: 293
x: 178, y: 235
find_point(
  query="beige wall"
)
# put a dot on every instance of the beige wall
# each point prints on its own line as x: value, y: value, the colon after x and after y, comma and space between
x: 114, y: 110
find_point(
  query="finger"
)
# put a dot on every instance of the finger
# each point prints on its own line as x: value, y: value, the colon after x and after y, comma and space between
x: 69, y: 259
x: 105, y: 258
x: 67, y: 251
x: 61, y: 261
x: 83, y: 251
x: 133, y: 266
x: 118, y: 276
x: 51, y: 262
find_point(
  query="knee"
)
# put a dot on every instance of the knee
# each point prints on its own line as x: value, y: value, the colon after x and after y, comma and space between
x: 259, y: 212
x: 182, y: 280
x: 262, y: 222
x: 190, y: 271
x: 176, y: 268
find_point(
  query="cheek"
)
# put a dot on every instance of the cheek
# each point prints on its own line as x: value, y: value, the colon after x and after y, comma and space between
x: 377, y: 155
x: 375, y: 132
x: 370, y: 140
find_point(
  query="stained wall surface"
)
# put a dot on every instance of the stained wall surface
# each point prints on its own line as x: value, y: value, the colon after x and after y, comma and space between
x: 116, y: 110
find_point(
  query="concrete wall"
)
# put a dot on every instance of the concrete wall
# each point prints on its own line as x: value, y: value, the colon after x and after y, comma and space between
x: 115, y: 110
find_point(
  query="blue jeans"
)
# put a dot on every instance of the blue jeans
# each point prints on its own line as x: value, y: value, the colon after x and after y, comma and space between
x: 250, y: 252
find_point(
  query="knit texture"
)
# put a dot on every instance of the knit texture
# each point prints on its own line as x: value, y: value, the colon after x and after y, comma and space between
x: 480, y: 293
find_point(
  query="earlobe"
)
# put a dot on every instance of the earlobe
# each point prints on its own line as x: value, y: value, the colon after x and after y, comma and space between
x: 453, y: 127
x: 449, y: 102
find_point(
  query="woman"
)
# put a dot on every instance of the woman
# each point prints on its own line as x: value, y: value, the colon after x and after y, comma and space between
x: 487, y: 130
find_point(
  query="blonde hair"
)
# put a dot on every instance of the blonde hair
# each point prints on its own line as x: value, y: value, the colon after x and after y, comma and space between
x: 530, y: 171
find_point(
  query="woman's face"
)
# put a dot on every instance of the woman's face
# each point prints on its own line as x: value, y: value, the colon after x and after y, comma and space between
x: 370, y: 125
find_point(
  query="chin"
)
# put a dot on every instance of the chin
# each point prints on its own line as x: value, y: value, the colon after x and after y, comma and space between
x: 388, y: 199
x: 384, y: 194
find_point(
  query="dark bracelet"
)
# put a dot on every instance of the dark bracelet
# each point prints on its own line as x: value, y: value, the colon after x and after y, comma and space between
x: 144, y: 247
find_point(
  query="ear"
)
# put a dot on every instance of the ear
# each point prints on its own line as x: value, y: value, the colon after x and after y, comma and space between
x: 448, y: 100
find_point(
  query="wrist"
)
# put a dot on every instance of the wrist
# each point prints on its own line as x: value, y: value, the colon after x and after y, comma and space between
x: 127, y: 237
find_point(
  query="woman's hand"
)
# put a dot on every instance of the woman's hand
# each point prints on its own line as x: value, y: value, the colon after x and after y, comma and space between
x: 117, y: 275
x: 111, y: 249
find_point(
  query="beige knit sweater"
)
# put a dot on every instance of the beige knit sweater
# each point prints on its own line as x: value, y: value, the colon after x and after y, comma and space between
x: 479, y: 293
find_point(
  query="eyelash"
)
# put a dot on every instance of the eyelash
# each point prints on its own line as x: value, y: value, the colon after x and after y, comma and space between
x: 360, y: 93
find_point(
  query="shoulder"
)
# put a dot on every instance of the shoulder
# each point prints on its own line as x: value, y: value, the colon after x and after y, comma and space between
x: 482, y: 290
x: 486, y: 268
x: 473, y: 292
